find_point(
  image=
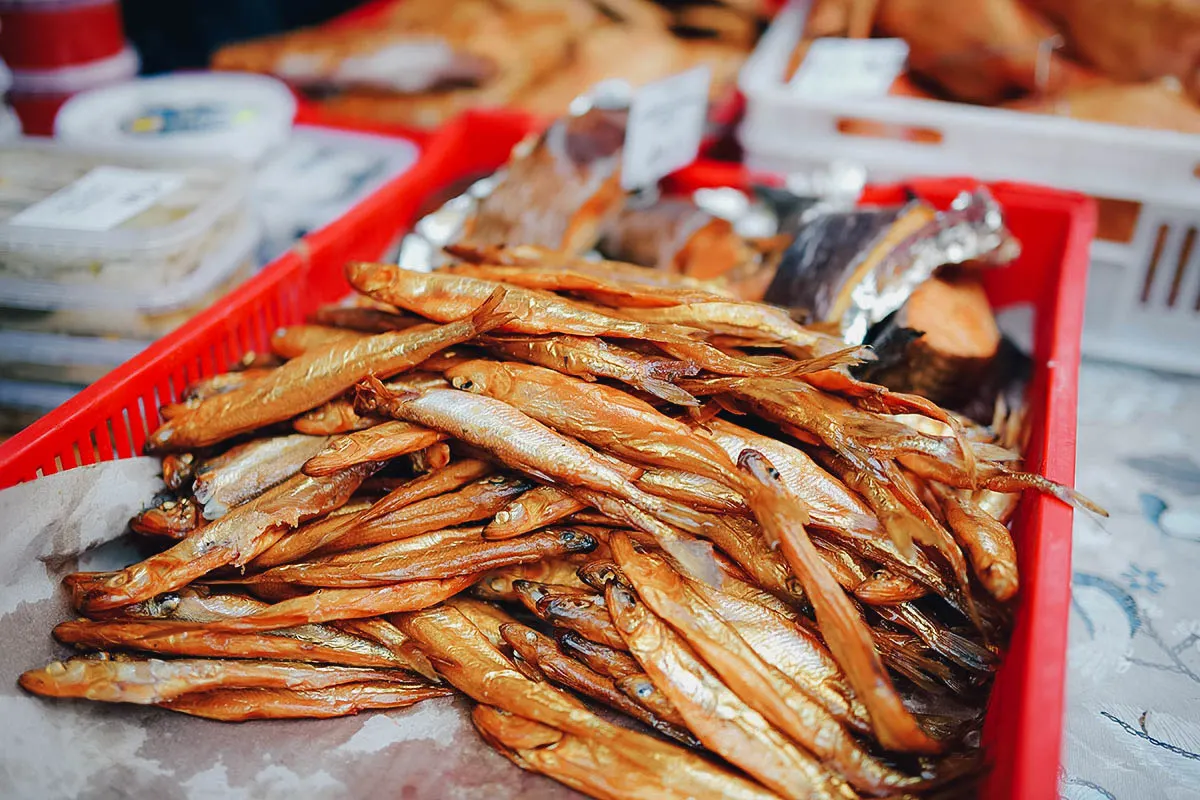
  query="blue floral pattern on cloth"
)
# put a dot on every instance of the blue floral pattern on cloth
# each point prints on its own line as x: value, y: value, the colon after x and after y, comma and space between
x: 1133, y: 683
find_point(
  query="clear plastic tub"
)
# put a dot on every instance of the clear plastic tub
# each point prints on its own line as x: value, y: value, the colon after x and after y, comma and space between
x: 88, y: 219
x: 49, y: 307
x: 55, y: 358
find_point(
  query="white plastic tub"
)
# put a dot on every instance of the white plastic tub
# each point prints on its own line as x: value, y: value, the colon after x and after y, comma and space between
x: 50, y: 307
x: 1143, y: 292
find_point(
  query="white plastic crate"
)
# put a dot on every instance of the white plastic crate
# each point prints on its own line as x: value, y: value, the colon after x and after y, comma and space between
x: 1143, y: 294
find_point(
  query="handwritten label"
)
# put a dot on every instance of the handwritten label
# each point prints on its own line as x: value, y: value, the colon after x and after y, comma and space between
x: 100, y: 200
x: 850, y: 67
x: 666, y: 126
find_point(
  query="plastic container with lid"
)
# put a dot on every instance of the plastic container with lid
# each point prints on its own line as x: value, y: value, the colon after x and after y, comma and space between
x: 49, y: 34
x: 226, y: 259
x: 224, y: 114
x: 37, y: 95
x: 320, y: 174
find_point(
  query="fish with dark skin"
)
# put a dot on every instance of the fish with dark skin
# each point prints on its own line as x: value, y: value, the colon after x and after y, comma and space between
x: 845, y: 632
x: 590, y: 358
x: 713, y: 712
x: 234, y: 539
x: 178, y: 469
x: 318, y: 376
x: 762, y: 687
x: 540, y: 651
x: 155, y: 681
x: 241, y: 705
x: 465, y: 658
x: 581, y: 611
x: 608, y: 661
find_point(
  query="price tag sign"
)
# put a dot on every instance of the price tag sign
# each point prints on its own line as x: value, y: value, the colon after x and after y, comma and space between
x: 850, y: 67
x: 100, y: 200
x: 665, y: 128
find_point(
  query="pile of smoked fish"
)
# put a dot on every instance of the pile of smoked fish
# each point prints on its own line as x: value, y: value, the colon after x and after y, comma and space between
x: 662, y: 535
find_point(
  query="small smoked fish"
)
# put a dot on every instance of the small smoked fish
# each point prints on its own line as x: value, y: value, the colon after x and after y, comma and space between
x: 155, y: 681
x: 240, y: 705
x: 319, y: 376
x: 234, y: 539
x: 364, y: 319
x: 442, y: 297
x: 379, y: 443
x: 497, y: 585
x: 540, y: 506
x: 248, y: 470
x: 296, y: 340
x: 582, y: 612
x: 174, y: 518
x: 589, y: 358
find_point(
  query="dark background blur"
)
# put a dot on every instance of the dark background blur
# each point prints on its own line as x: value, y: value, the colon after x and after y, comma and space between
x: 182, y: 34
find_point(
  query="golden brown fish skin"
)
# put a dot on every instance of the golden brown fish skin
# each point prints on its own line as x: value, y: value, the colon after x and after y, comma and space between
x: 884, y: 588
x: 639, y: 688
x: 403, y: 547
x: 317, y: 377
x: 447, y: 561
x: 155, y: 681
x: 330, y: 605
x: 431, y: 458
x: 698, y: 491
x: 714, y: 713
x: 451, y: 477
x: 241, y: 705
x: 845, y: 632
x: 468, y: 661
x: 581, y: 611
x: 364, y: 319
x: 607, y: 661
x: 540, y: 506
x: 391, y: 638
x: 250, y: 469
x: 442, y: 297
x: 296, y: 340
x: 609, y: 419
x: 521, y: 442
x: 589, y: 358
x: 609, y: 291
x: 225, y: 382
x: 540, y: 651
x: 379, y: 443
x: 174, y: 519
x: 334, y: 417
x: 753, y: 321
x: 488, y: 618
x: 789, y: 647
x: 476, y: 501
x: 762, y: 687
x: 497, y: 585
x: 181, y: 639
x: 234, y: 539
x: 315, y: 530
x: 601, y: 768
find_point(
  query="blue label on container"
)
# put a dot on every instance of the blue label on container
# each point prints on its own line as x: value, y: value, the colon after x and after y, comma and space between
x: 166, y: 120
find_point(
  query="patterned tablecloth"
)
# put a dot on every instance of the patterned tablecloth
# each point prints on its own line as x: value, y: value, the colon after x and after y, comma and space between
x: 1133, y: 686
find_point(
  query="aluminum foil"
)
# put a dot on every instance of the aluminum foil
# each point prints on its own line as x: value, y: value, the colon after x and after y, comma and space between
x: 972, y: 229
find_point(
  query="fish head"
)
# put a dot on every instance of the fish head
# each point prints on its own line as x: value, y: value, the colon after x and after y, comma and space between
x: 627, y: 613
x: 574, y: 541
x: 598, y: 574
x: 480, y: 377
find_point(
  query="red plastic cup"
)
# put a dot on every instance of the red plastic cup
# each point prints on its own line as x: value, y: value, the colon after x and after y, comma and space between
x: 49, y: 34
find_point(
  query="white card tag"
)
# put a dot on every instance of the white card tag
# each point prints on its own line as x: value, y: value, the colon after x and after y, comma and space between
x: 100, y: 200
x: 665, y: 128
x: 850, y: 67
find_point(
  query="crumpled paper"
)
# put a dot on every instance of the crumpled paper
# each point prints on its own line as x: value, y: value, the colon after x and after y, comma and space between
x: 79, y: 749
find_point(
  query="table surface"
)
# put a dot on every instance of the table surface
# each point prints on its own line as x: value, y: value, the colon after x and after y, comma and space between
x: 1133, y: 685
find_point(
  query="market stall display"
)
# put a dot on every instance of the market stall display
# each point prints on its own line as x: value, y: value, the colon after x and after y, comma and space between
x: 585, y: 299
x: 421, y: 62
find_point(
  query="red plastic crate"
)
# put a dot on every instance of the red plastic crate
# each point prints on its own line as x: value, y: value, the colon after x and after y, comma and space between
x: 1023, y: 728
